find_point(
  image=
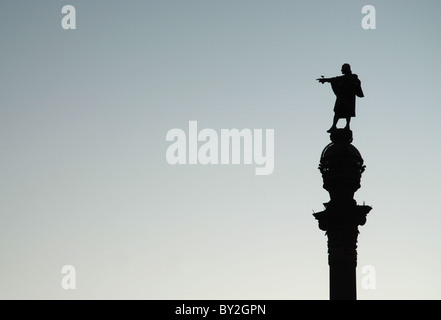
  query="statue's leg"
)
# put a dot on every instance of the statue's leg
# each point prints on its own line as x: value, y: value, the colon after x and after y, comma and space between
x: 334, y: 123
x: 348, y: 121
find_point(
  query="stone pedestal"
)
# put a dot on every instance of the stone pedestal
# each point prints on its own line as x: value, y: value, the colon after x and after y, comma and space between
x: 341, y: 166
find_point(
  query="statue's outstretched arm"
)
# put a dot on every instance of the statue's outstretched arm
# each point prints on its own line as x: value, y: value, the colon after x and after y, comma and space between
x: 323, y: 79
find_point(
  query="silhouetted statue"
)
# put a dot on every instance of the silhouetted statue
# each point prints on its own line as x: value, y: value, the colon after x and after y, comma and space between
x: 345, y: 87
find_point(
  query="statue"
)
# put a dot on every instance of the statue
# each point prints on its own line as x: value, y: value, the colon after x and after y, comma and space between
x: 345, y: 87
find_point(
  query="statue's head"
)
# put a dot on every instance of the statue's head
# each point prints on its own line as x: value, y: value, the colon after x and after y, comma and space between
x: 346, y: 69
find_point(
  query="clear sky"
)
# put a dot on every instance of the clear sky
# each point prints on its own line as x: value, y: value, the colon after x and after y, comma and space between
x: 84, y: 179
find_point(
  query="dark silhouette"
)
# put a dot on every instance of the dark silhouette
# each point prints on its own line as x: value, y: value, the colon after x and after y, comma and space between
x: 345, y: 87
x: 341, y: 166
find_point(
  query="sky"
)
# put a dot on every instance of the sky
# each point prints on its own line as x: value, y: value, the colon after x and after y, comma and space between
x: 84, y: 179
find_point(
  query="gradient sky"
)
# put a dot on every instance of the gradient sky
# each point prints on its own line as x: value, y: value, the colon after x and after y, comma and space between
x: 84, y: 179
